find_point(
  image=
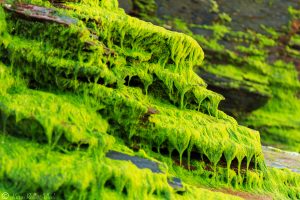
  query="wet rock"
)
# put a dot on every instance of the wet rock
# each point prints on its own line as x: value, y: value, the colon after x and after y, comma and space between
x: 192, y: 11
x: 248, y: 48
x: 176, y: 183
x: 282, y: 159
x: 126, y: 5
x: 141, y: 163
x: 240, y: 97
x: 249, y: 15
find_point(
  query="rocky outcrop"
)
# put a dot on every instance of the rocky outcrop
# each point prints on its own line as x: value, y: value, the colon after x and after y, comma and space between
x: 92, y: 103
x: 251, y: 54
x: 240, y: 98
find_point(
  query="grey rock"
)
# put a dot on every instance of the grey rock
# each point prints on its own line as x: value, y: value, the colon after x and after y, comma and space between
x: 176, y: 184
x: 126, y: 5
x: 238, y: 100
x: 143, y: 163
x: 282, y: 159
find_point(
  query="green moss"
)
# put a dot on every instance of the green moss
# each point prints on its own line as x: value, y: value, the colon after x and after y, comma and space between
x: 250, y: 61
x: 110, y: 81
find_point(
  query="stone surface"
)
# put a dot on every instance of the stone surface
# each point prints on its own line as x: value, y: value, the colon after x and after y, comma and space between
x: 238, y: 100
x: 141, y: 163
x: 251, y: 50
x: 176, y: 183
x: 126, y: 5
x: 246, y: 14
x: 282, y: 159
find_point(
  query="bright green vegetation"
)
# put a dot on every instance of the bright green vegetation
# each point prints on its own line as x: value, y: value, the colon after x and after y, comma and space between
x: 112, y: 82
x: 260, y: 63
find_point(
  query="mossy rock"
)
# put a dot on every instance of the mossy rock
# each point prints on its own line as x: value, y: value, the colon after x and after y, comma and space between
x: 251, y: 59
x: 88, y: 84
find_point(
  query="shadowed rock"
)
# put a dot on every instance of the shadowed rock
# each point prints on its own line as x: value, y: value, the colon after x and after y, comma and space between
x: 239, y: 99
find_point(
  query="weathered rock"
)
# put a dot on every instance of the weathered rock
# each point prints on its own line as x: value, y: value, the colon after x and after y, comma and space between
x: 282, y: 159
x: 245, y: 14
x: 69, y: 87
x: 126, y: 5
x: 86, y: 102
x: 240, y: 97
x: 38, y: 13
x: 251, y: 52
x: 141, y: 163
x: 176, y: 183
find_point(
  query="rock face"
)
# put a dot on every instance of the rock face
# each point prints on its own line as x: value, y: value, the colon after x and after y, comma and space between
x: 95, y: 81
x: 141, y: 163
x: 282, y: 159
x: 126, y: 5
x: 240, y: 99
x: 141, y: 8
x: 244, y: 15
x: 251, y: 57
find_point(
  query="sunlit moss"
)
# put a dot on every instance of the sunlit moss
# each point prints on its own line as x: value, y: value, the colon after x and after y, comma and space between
x: 253, y: 61
x: 71, y: 93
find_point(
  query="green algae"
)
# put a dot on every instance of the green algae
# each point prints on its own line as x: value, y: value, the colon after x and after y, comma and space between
x: 84, y: 177
x: 100, y: 177
x: 248, y: 60
x: 134, y: 83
